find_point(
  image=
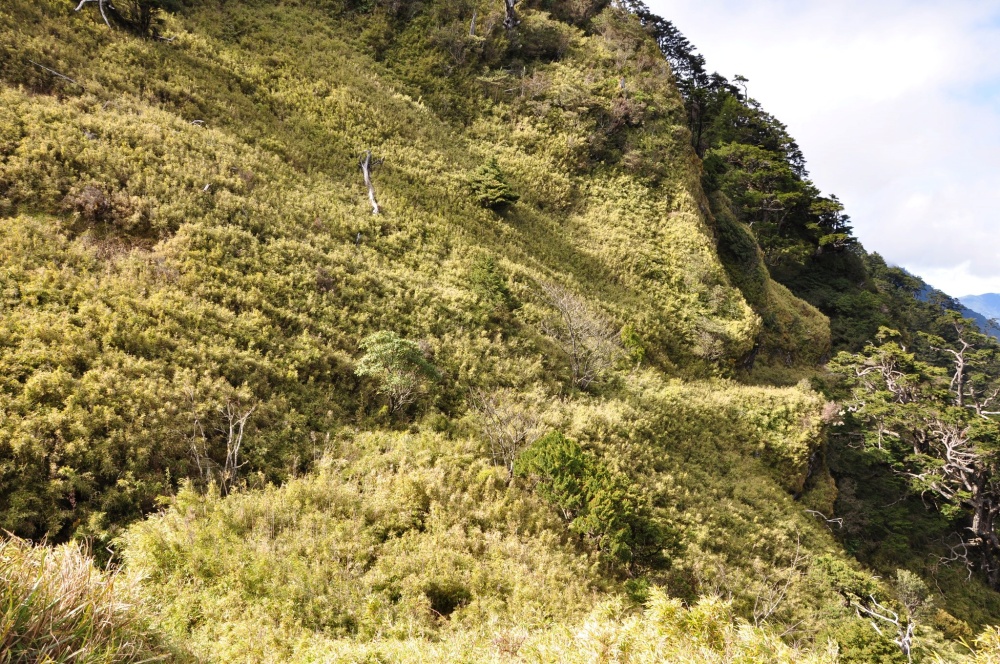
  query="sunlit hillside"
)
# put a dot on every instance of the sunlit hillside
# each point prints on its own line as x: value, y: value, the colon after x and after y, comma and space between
x: 548, y: 404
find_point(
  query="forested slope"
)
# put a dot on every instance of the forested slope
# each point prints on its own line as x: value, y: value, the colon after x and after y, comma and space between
x: 547, y: 404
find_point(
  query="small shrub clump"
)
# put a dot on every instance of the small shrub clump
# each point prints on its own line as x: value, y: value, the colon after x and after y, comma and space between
x: 398, y: 366
x: 597, y: 502
x: 490, y: 188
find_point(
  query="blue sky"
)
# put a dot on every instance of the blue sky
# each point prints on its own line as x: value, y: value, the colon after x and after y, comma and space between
x: 896, y: 105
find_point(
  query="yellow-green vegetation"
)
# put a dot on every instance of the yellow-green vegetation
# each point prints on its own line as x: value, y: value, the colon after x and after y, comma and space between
x: 666, y: 631
x: 425, y: 535
x: 170, y: 218
x: 316, y: 433
x: 395, y: 539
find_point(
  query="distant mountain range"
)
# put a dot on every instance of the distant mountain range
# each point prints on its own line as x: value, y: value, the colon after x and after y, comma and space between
x: 980, y: 308
x: 982, y: 319
x: 987, y: 304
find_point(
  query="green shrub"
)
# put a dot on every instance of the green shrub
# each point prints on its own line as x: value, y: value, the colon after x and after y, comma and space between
x: 560, y: 469
x: 490, y: 189
x: 489, y: 283
x: 599, y: 503
x: 398, y: 366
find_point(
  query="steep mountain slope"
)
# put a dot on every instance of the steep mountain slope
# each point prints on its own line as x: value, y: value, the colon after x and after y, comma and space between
x: 213, y: 218
x: 191, y: 268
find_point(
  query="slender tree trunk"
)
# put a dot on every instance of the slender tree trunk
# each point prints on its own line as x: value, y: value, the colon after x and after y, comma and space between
x: 100, y: 6
x: 960, y: 382
x: 367, y: 165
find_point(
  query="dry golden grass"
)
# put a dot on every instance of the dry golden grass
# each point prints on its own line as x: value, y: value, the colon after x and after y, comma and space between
x: 55, y: 606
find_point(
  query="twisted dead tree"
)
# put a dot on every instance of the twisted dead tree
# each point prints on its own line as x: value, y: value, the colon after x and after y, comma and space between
x: 881, y: 616
x: 137, y: 16
x: 894, y: 609
x: 775, y: 583
x: 934, y: 422
x: 100, y: 5
x: 235, y: 418
x: 231, y: 419
x: 368, y: 166
x: 509, y: 423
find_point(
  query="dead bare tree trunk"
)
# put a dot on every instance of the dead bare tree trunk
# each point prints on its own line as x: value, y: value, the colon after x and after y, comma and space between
x: 472, y: 26
x: 235, y: 422
x: 54, y: 72
x: 508, y: 423
x: 199, y: 441
x: 136, y: 16
x: 511, y: 20
x: 880, y: 614
x: 368, y: 166
x: 776, y: 585
x: 100, y: 5
x: 591, y: 342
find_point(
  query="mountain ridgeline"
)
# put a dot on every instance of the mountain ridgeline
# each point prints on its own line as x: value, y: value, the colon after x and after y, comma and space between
x: 459, y: 330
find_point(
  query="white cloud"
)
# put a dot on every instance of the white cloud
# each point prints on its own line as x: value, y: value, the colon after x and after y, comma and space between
x: 895, y: 105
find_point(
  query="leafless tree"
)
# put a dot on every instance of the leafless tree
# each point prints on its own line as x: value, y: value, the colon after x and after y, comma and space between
x: 231, y: 428
x: 235, y: 418
x: 100, y: 6
x: 197, y: 438
x: 882, y: 617
x: 509, y: 422
x: 368, y: 166
x: 591, y: 342
x: 511, y: 20
x: 136, y: 16
x: 893, y: 616
x: 776, y: 583
x: 959, y: 552
x: 838, y: 521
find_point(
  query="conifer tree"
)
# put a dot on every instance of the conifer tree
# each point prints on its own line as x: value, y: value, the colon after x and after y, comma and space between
x: 490, y: 189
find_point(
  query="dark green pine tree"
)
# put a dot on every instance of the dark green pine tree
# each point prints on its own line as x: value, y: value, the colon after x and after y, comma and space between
x: 490, y: 188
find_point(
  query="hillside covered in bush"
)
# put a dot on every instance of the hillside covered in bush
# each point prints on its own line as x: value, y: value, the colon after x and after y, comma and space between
x: 457, y: 330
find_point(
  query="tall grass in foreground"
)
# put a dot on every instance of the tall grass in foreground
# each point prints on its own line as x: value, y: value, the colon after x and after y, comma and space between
x: 55, y: 606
